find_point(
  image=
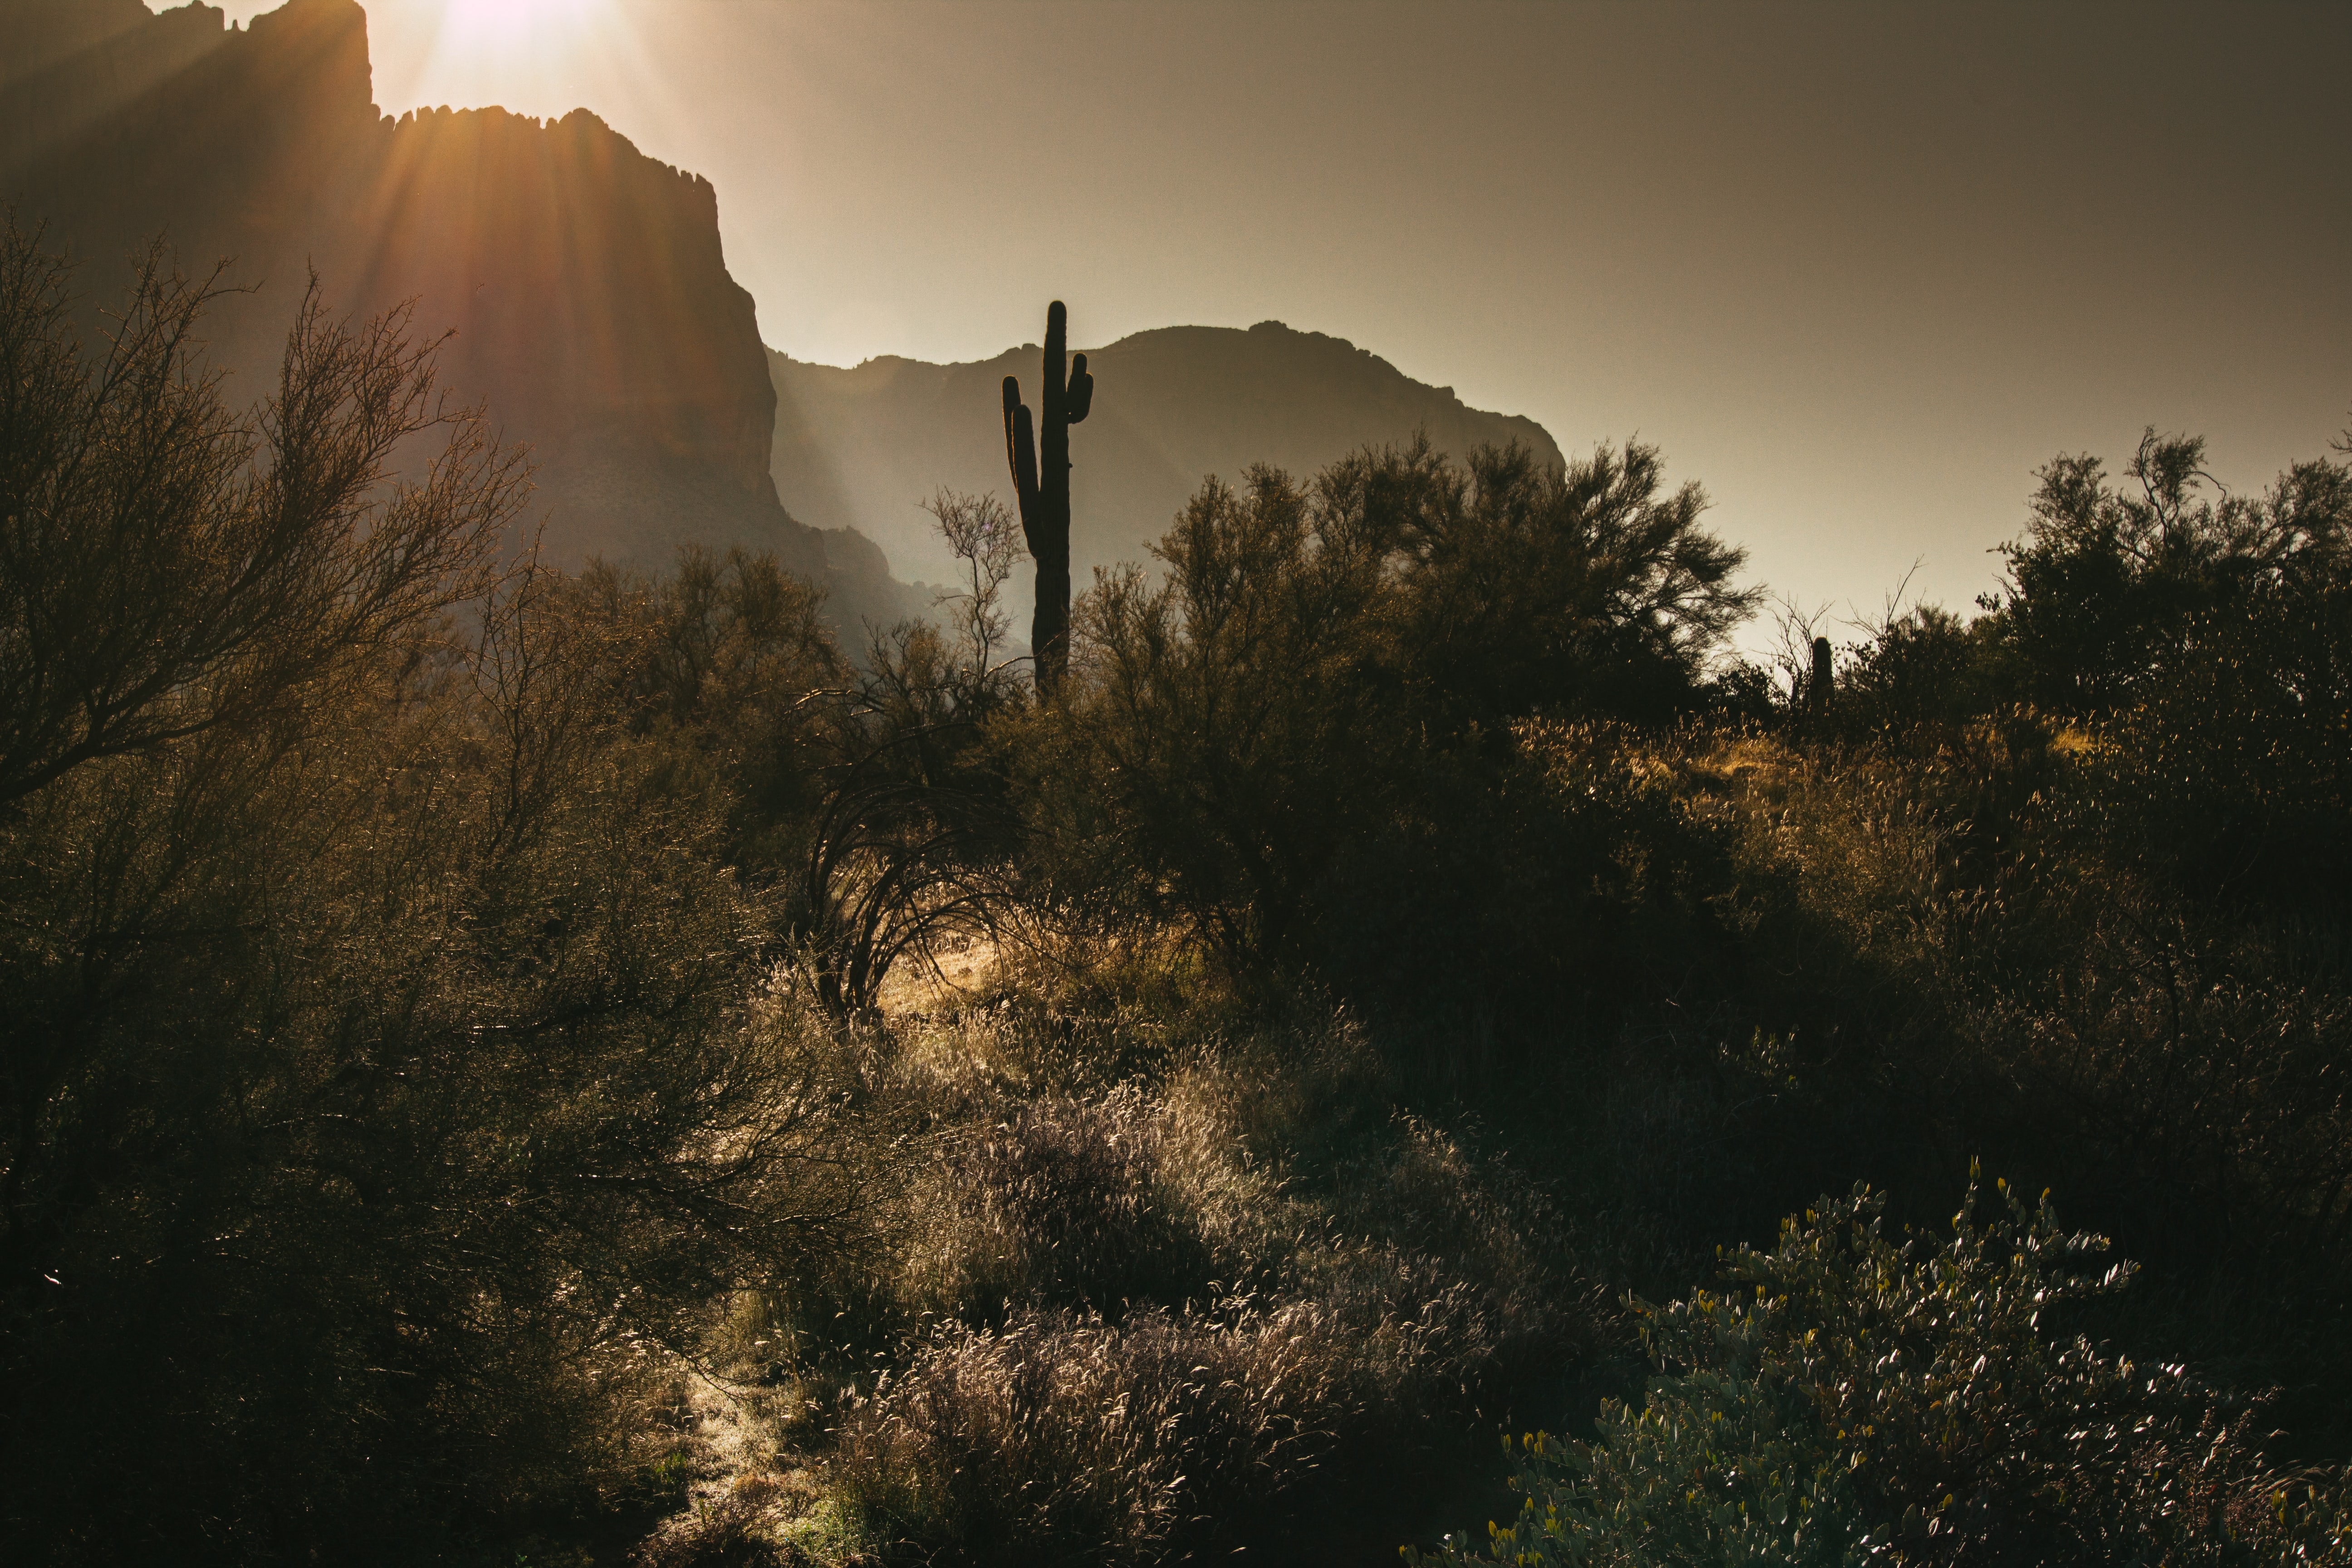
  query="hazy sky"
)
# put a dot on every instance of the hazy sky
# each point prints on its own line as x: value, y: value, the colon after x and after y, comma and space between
x: 1859, y: 268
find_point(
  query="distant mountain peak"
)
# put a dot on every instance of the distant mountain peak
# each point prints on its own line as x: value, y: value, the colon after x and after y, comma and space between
x: 864, y: 447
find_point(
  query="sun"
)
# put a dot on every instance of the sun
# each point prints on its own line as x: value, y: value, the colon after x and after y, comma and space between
x: 508, y: 25
x: 536, y: 57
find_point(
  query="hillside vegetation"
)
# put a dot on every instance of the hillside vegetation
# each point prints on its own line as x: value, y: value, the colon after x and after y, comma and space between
x: 515, y: 1066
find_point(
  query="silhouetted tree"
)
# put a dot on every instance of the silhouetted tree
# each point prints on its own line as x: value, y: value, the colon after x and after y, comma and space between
x: 905, y: 844
x: 168, y: 564
x: 2114, y: 587
x: 1585, y: 588
x: 1920, y: 675
x: 1322, y: 663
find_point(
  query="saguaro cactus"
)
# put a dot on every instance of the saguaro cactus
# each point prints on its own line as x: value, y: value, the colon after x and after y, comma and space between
x: 1041, y: 479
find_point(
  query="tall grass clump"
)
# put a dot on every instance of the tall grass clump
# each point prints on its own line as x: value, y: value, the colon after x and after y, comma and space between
x: 1176, y: 1310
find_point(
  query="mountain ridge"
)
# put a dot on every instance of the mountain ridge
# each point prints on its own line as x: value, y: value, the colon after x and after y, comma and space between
x: 861, y: 446
x: 584, y: 284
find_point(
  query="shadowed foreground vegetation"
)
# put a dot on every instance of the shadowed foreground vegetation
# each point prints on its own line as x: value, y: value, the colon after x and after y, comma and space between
x: 480, y: 1082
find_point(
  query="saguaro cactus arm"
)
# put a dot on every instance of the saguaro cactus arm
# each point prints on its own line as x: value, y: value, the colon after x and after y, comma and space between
x: 1021, y: 457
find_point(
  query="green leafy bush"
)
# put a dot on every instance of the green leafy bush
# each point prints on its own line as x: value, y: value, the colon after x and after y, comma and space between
x: 1850, y: 1396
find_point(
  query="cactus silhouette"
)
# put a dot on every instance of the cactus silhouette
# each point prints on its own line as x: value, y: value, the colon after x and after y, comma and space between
x: 1817, y: 689
x: 1040, y: 461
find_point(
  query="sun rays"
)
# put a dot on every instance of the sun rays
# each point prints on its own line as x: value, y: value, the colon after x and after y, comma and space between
x: 535, y: 56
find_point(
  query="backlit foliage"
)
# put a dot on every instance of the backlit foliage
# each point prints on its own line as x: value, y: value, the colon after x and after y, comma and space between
x: 508, y: 1062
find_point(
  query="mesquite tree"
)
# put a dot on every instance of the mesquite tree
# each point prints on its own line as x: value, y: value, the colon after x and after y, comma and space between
x: 1041, y: 478
x: 170, y: 565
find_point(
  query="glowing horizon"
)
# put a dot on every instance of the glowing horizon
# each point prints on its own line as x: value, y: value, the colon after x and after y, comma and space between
x: 1858, y: 270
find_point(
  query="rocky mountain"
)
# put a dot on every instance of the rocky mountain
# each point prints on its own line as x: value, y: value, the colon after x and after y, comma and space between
x: 864, y: 447
x: 585, y: 283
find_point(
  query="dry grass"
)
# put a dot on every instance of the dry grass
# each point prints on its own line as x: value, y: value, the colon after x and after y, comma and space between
x: 1117, y: 1319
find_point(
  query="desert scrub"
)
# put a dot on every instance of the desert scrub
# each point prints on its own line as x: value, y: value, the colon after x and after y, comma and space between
x: 1188, y: 1306
x: 1852, y: 1397
x: 2202, y: 1061
x: 1064, y: 1437
x: 1031, y: 1178
x: 1964, y: 925
x: 1057, y: 1202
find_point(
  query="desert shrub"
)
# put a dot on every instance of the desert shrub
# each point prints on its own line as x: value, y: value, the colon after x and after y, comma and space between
x: 1561, y: 878
x: 912, y: 850
x: 1944, y: 953
x: 2210, y: 644
x: 1228, y: 714
x: 2229, y: 779
x: 1850, y: 1396
x: 2115, y: 588
x: 1063, y: 1437
x: 909, y: 852
x: 722, y: 667
x: 1326, y: 665
x: 1919, y: 676
x: 1036, y: 1161
x: 1841, y: 860
x: 859, y: 795
x: 2200, y: 646
x: 1190, y: 1305
x: 1034, y: 1179
x: 385, y: 1162
x: 2190, y: 1072
x: 1587, y: 590
x: 170, y: 565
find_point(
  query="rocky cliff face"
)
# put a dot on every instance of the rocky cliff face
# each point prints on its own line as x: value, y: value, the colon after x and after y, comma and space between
x: 584, y: 284
x: 862, y: 447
